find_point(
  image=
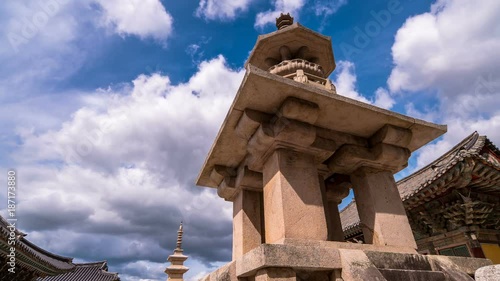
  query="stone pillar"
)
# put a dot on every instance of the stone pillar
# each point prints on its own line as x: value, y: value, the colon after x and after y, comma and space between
x: 293, y: 205
x: 335, y: 232
x: 246, y: 222
x: 381, y: 212
x: 335, y: 191
x: 276, y: 274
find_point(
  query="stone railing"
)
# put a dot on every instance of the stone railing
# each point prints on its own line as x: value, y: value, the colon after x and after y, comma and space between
x: 290, y: 66
x: 306, y: 78
x: 303, y: 71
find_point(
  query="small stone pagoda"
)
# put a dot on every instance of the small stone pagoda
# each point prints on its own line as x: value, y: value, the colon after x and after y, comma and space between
x: 286, y: 155
x: 177, y: 269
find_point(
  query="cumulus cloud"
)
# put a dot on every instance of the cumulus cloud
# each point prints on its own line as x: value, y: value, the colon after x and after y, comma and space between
x: 446, y: 43
x: 143, y: 18
x: 39, y: 36
x: 46, y: 42
x: 345, y: 83
x: 115, y: 180
x: 221, y: 9
x: 451, y: 53
x: 280, y: 6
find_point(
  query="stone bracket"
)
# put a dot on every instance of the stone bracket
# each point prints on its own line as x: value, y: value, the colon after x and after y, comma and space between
x: 382, y: 156
x: 337, y: 189
x: 227, y: 189
x: 301, y: 110
x: 248, y: 179
x: 248, y: 123
x: 392, y: 135
x: 234, y: 182
x: 220, y: 172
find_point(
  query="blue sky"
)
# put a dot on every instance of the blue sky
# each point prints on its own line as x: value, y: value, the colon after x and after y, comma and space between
x: 108, y: 108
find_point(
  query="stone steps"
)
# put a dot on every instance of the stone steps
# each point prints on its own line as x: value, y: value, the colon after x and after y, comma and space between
x: 385, y: 260
x: 412, y: 275
x: 413, y: 267
x: 407, y: 267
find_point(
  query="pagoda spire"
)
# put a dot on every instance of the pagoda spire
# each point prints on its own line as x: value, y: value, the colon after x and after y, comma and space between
x: 176, y: 269
x: 179, y: 239
x: 284, y: 20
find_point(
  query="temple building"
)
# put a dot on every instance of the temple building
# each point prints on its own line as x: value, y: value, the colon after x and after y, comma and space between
x: 34, y: 263
x: 453, y: 204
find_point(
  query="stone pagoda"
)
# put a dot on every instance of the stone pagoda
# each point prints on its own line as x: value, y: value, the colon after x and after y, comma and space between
x: 177, y: 269
x: 288, y: 152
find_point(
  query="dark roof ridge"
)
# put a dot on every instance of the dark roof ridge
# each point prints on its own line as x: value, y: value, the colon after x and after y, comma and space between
x: 45, y: 252
x: 456, y: 149
x: 4, y: 224
x: 82, y: 264
x: 103, y: 266
x: 491, y: 146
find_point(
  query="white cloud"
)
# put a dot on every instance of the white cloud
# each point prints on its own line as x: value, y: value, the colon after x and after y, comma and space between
x: 451, y: 52
x: 221, y: 9
x: 46, y: 31
x: 118, y: 176
x: 196, y: 50
x: 143, y: 18
x: 345, y: 83
x: 448, y: 42
x: 48, y: 41
x: 383, y: 99
x: 178, y: 113
x: 280, y: 6
x: 328, y: 8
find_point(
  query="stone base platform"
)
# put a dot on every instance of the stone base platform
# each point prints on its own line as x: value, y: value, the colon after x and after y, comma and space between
x: 301, y: 260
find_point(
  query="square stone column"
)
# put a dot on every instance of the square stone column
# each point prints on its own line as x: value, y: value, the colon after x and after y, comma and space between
x: 247, y: 224
x: 293, y: 205
x: 335, y: 191
x: 381, y: 212
x: 335, y: 232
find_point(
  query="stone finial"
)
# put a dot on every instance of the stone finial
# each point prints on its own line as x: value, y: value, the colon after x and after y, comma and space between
x: 284, y: 21
x: 179, y: 239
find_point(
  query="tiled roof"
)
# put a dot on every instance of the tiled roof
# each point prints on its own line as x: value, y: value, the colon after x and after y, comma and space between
x: 44, y: 263
x: 96, y: 271
x: 31, y: 256
x: 470, y: 146
x: 350, y: 219
x: 417, y: 182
